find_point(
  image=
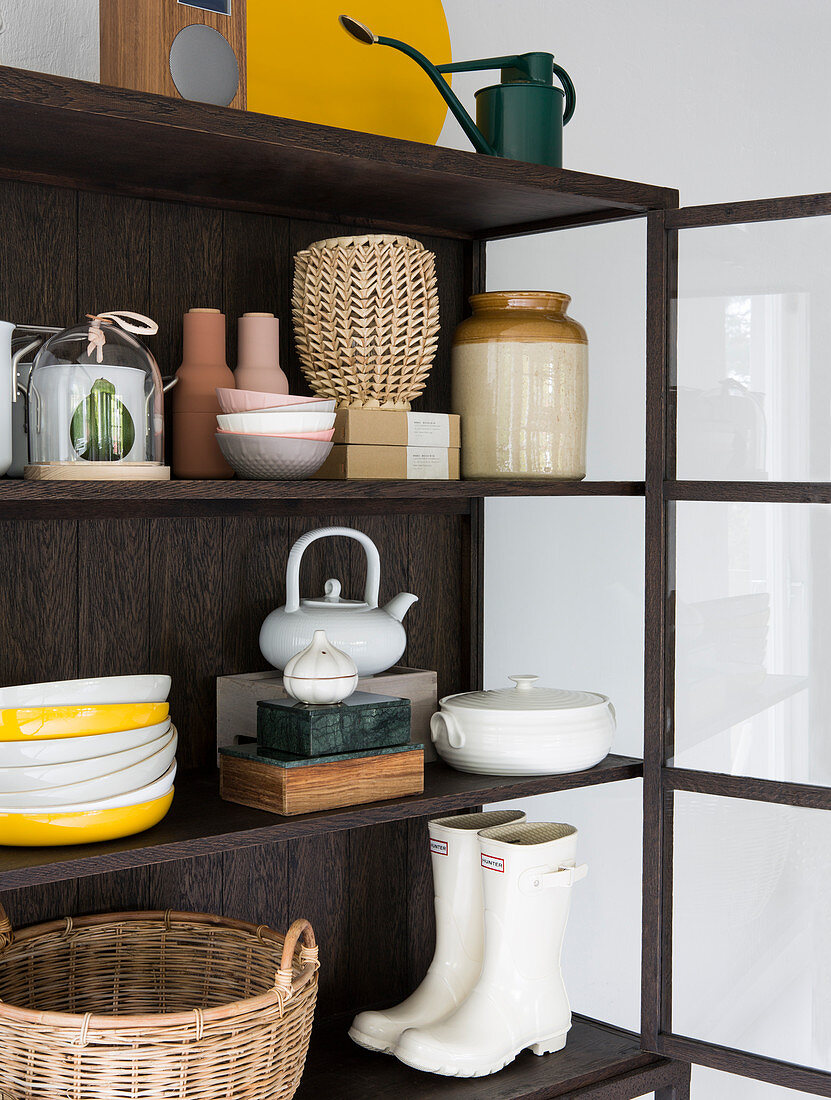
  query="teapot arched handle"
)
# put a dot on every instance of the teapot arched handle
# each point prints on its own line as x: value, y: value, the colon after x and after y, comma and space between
x: 568, y: 88
x: 373, y: 563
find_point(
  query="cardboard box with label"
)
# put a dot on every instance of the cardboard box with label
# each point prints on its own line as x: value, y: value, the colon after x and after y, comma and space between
x: 391, y: 444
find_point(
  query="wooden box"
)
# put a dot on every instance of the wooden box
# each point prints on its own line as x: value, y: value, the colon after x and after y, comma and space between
x: 237, y: 698
x: 293, y: 785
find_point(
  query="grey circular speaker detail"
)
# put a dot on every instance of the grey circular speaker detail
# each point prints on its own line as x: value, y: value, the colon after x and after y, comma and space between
x: 203, y: 66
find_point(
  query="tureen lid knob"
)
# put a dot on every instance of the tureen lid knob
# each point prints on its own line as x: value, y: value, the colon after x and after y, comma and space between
x: 331, y: 591
x: 524, y: 683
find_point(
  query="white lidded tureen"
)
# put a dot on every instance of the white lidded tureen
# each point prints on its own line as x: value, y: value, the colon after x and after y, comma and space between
x: 372, y: 636
x: 523, y: 730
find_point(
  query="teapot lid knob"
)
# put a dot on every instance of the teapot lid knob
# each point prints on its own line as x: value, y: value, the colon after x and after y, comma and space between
x: 524, y: 683
x: 331, y: 591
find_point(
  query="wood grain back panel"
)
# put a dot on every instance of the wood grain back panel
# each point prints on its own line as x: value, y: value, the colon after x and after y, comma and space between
x: 188, y: 595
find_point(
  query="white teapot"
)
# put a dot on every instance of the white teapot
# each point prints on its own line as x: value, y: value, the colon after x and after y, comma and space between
x: 371, y: 635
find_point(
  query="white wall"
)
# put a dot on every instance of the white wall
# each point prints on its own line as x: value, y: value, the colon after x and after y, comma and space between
x: 724, y: 99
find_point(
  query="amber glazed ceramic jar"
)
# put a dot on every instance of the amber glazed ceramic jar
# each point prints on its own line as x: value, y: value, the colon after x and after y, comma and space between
x: 520, y: 383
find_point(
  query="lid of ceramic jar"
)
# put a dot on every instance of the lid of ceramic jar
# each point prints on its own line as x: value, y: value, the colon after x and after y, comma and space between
x: 524, y: 696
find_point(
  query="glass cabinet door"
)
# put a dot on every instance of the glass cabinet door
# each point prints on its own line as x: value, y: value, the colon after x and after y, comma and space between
x: 738, y: 762
x: 753, y: 368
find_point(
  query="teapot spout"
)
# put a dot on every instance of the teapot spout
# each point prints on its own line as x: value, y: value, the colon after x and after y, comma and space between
x: 399, y: 605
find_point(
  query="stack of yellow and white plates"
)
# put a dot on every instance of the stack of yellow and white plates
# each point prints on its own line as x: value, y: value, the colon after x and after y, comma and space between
x: 85, y: 760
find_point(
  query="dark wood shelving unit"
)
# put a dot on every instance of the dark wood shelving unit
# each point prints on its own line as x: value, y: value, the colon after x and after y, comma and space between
x: 201, y: 823
x: 118, y: 198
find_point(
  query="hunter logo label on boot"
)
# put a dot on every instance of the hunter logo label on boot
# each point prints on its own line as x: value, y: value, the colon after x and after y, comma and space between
x: 493, y: 863
x: 438, y: 847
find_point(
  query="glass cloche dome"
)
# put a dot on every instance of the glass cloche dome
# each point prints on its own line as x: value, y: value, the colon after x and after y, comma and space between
x: 95, y: 396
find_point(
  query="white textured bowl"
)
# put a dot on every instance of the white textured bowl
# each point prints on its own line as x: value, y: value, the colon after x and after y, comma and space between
x: 271, y: 458
x: 276, y: 423
x: 238, y: 401
x: 48, y: 776
x: 148, y: 793
x: 95, y: 690
x: 112, y: 785
x: 65, y: 750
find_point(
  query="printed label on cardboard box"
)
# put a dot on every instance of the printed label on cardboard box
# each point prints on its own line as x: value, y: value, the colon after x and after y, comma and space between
x: 428, y: 462
x: 428, y: 430
x: 438, y: 847
x: 493, y: 863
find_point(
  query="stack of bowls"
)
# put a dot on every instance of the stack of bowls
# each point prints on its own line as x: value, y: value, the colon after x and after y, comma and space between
x: 85, y: 760
x: 275, y: 437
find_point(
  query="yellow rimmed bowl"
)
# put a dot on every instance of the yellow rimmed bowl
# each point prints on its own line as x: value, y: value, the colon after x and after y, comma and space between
x: 46, y: 723
x: 44, y: 828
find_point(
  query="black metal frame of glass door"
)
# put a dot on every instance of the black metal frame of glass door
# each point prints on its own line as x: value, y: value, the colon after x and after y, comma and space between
x: 661, y: 780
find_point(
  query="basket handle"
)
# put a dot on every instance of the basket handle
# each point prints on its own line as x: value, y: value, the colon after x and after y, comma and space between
x: 308, y: 954
x: 6, y: 936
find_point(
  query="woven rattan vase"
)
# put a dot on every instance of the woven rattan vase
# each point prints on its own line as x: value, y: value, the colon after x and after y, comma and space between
x: 173, y: 1006
x: 366, y: 319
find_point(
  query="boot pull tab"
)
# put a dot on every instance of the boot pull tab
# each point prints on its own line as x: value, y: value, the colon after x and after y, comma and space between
x: 533, y: 881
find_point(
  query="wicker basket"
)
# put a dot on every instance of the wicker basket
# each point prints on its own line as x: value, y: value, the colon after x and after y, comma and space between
x: 158, y: 1006
x: 366, y: 319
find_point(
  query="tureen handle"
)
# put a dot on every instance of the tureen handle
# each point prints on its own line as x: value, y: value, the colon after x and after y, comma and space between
x: 373, y: 563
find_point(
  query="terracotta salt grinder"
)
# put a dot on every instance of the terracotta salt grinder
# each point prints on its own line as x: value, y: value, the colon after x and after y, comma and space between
x: 258, y: 357
x: 196, y: 453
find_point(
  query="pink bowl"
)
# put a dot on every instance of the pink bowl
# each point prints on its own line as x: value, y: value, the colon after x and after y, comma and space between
x: 236, y: 401
x: 324, y: 437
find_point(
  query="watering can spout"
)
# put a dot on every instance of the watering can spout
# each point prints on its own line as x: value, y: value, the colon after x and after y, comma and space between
x: 361, y: 33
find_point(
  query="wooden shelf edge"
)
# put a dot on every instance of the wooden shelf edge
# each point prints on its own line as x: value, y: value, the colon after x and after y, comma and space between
x: 198, y: 808
x: 598, y: 1060
x: 39, y: 109
x: 23, y: 499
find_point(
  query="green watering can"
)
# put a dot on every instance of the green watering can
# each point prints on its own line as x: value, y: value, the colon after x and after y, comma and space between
x: 522, y: 118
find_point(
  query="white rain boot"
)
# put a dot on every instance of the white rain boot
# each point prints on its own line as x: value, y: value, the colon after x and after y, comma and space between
x: 519, y: 1001
x: 457, y: 962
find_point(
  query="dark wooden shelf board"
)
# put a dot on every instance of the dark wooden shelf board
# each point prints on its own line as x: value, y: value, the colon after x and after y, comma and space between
x: 594, y: 1053
x: 774, y: 492
x: 164, y: 148
x: 80, y: 499
x: 200, y: 822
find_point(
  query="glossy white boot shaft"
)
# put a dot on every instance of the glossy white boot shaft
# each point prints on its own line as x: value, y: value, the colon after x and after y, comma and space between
x: 457, y: 961
x: 519, y: 1000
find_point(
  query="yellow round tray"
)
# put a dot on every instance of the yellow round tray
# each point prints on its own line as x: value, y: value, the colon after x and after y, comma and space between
x: 44, y: 723
x: 46, y: 828
x: 375, y: 89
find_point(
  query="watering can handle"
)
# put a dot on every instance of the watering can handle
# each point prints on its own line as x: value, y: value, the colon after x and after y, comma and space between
x: 568, y: 88
x: 373, y: 564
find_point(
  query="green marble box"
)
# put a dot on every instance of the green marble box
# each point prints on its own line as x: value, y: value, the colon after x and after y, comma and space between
x: 363, y: 722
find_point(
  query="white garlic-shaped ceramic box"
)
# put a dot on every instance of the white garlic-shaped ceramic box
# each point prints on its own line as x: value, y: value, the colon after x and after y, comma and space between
x: 320, y: 673
x: 372, y: 636
x: 524, y: 730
